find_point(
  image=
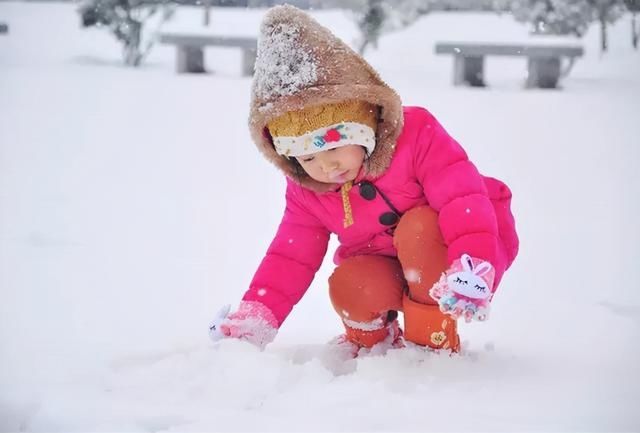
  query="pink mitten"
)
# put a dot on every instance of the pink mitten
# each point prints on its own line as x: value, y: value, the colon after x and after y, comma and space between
x: 465, y: 289
x: 252, y: 321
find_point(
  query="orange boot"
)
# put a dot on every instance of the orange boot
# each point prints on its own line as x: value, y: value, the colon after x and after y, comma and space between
x: 356, y: 342
x: 426, y: 325
x: 390, y: 334
x: 423, y: 255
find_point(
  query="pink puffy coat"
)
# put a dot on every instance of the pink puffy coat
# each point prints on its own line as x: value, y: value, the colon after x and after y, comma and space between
x: 428, y: 168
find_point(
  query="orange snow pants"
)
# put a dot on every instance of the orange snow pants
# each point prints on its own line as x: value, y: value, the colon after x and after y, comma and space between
x: 367, y: 291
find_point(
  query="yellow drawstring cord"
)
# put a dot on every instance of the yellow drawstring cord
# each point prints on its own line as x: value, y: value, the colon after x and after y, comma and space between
x: 348, y: 215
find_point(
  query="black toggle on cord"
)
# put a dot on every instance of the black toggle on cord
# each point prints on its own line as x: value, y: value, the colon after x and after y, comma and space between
x: 369, y: 191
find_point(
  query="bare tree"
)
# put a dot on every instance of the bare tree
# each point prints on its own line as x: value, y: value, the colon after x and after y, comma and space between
x: 370, y: 24
x: 125, y: 19
x: 606, y: 12
x: 376, y: 17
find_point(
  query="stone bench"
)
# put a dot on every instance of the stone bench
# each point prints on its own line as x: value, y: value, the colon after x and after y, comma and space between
x: 544, y: 61
x: 190, y: 50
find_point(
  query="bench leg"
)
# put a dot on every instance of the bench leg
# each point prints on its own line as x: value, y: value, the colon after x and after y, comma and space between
x: 544, y: 72
x: 468, y: 70
x: 248, y: 61
x: 189, y: 59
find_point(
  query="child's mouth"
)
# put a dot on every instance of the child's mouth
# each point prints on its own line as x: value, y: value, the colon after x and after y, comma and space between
x: 340, y: 177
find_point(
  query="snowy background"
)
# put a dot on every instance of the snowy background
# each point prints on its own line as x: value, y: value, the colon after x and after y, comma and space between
x: 133, y: 205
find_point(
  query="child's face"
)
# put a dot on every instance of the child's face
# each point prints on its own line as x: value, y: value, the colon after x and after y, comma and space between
x: 338, y: 165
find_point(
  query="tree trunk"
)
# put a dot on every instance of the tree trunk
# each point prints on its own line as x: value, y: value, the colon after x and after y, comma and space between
x: 634, y: 31
x: 603, y: 34
x: 132, y: 56
x: 207, y: 13
x: 363, y: 46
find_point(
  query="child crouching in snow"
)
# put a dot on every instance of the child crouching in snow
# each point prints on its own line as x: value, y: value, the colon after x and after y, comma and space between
x: 420, y: 229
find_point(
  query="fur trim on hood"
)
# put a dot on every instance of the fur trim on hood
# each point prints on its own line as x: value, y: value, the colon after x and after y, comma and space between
x: 300, y: 63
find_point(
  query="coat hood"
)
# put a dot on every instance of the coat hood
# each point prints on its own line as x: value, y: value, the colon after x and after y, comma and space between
x: 300, y: 63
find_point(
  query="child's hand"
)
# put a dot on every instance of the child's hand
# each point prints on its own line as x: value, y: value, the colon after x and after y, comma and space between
x: 252, y: 322
x: 465, y: 289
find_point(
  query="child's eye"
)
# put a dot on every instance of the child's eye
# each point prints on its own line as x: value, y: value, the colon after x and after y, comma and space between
x: 307, y: 159
x: 480, y: 288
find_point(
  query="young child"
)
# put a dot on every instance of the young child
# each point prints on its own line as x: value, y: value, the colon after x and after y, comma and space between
x: 420, y: 230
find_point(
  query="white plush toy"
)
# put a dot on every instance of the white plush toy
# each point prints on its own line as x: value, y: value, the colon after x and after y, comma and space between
x: 465, y: 290
x: 215, y: 333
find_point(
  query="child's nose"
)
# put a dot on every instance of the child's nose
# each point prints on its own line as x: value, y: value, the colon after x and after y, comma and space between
x: 329, y: 165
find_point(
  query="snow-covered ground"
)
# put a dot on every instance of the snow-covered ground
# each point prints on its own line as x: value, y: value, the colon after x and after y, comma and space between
x: 133, y: 205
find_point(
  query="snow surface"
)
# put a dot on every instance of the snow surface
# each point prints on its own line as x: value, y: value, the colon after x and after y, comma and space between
x: 133, y: 205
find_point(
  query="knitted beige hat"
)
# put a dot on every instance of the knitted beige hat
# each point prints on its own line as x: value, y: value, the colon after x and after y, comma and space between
x: 323, y: 127
x: 301, y: 64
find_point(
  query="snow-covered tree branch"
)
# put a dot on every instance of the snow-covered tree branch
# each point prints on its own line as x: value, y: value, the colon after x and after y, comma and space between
x: 568, y: 17
x: 126, y: 20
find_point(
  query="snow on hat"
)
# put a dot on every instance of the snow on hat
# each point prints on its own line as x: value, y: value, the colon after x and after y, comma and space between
x: 301, y: 64
x: 318, y: 128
